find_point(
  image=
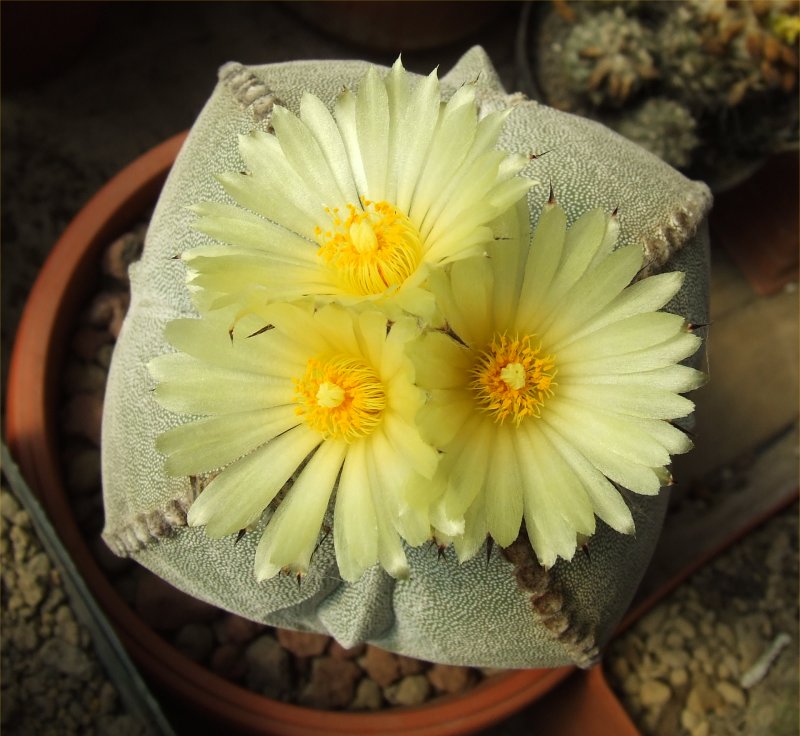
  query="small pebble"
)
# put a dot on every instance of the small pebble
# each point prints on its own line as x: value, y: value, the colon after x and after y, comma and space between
x: 678, y: 678
x: 302, y: 643
x: 450, y: 678
x: 87, y: 341
x: 368, y: 696
x: 685, y: 627
x: 81, y: 377
x: 9, y: 506
x: 228, y: 661
x: 337, y: 651
x: 196, y: 641
x: 332, y: 683
x: 83, y: 417
x: 411, y: 690
x: 654, y: 693
x: 731, y: 693
x: 410, y: 665
x: 118, y: 257
x: 268, y: 666
x: 233, y: 629
x: 380, y: 665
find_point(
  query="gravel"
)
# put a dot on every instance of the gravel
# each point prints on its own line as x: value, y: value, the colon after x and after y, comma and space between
x: 52, y: 682
x: 719, y: 656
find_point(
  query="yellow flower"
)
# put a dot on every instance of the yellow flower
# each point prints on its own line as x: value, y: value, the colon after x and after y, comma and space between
x: 323, y: 398
x: 555, y: 385
x: 357, y: 207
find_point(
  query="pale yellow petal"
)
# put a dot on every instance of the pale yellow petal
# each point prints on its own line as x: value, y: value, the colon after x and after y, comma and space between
x: 414, y: 136
x: 607, y: 502
x: 451, y: 142
x: 397, y: 91
x: 241, y: 492
x: 636, y: 400
x: 632, y: 334
x: 323, y: 127
x: 631, y: 470
x: 292, y: 532
x: 606, y: 431
x: 583, y: 240
x: 439, y: 361
x: 372, y: 126
x: 445, y: 415
x: 543, y: 259
x: 407, y: 442
x: 647, y: 295
x: 391, y: 554
x: 355, y: 526
x: 236, y: 226
x: 465, y: 464
x: 305, y: 156
x: 663, y: 354
x: 190, y: 387
x: 212, y: 443
x: 345, y: 115
x: 472, y: 284
x: 550, y: 535
x: 504, y: 489
x: 675, y: 378
x: 594, y: 291
x: 467, y: 544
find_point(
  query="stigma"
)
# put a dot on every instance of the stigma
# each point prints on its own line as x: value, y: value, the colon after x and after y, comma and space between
x: 512, y: 378
x: 372, y: 248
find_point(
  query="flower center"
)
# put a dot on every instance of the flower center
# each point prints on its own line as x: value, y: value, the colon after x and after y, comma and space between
x: 341, y: 397
x: 372, y: 248
x: 512, y: 379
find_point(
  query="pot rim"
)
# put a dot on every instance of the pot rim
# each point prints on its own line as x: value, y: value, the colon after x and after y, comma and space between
x: 31, y: 417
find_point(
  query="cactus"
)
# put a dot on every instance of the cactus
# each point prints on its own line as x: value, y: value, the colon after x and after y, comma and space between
x: 725, y: 63
x: 608, y: 59
x: 444, y: 610
x: 720, y: 55
x: 662, y: 126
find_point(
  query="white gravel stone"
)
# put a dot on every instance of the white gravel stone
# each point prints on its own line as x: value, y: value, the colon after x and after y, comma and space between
x: 654, y: 693
x: 731, y: 693
x: 678, y: 678
x: 51, y: 680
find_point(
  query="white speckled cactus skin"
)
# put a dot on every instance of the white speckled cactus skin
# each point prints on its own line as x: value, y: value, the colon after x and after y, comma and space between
x: 500, y: 610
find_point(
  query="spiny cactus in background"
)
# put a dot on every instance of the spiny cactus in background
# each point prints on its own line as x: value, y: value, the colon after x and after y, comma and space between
x: 720, y: 55
x: 609, y: 59
x: 730, y: 66
x: 662, y: 126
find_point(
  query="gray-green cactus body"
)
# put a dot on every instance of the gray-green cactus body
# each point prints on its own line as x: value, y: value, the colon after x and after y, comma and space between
x: 500, y: 609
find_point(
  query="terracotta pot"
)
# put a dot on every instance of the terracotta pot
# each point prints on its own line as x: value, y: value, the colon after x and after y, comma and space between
x: 67, y: 279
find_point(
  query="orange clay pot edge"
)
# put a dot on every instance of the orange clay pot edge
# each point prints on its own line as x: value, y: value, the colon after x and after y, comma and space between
x: 39, y: 348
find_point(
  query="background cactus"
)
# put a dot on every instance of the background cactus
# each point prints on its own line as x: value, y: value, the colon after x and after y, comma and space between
x: 662, y: 126
x: 732, y: 67
x: 609, y: 59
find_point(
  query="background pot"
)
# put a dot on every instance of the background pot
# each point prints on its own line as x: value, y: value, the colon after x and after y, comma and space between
x: 69, y: 276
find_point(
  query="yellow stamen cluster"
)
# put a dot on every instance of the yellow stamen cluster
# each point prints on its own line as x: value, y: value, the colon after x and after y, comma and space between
x: 371, y: 249
x: 341, y: 397
x: 512, y: 379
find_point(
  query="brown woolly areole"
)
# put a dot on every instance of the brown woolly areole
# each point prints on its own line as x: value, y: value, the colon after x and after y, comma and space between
x: 551, y: 603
